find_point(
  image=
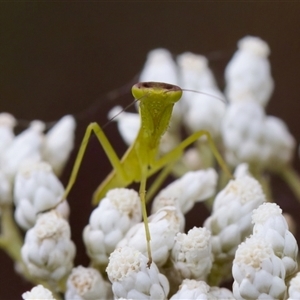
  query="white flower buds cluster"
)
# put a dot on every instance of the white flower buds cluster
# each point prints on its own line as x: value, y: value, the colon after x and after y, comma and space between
x: 132, y: 278
x: 230, y: 221
x: 87, y: 284
x: 48, y: 251
x: 194, y: 72
x: 37, y: 293
x: 191, y: 253
x: 203, y: 110
x: 258, y: 273
x: 192, y: 187
x: 251, y: 136
x: 58, y: 143
x: 109, y: 222
x: 248, y: 74
x: 192, y: 289
x: 160, y: 67
x: 270, y: 224
x: 7, y: 124
x: 37, y: 189
x: 163, y: 225
x: 294, y: 288
x: 33, y: 145
x: 24, y: 149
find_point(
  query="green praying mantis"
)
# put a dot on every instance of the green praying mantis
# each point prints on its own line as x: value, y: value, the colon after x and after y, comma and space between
x: 156, y: 101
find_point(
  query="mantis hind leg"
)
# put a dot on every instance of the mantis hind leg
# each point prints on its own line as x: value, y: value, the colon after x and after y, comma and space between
x: 107, y: 147
x: 176, y: 153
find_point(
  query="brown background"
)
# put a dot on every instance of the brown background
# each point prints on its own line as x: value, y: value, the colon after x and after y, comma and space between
x: 57, y: 58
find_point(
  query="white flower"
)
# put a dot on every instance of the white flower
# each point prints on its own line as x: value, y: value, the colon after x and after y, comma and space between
x: 191, y: 253
x: 37, y: 293
x: 87, y: 284
x: 203, y: 111
x: 258, y: 273
x: 37, y: 189
x: 128, y: 123
x: 163, y: 225
x: 294, y: 288
x: 270, y: 224
x: 220, y: 293
x: 59, y: 142
x: 109, y: 222
x: 192, y: 289
x: 248, y: 74
x: 7, y: 124
x: 242, y: 170
x: 159, y: 67
x: 24, y: 149
x: 192, y: 187
x: 132, y: 278
x: 194, y: 72
x: 48, y: 251
x: 6, y: 187
x: 230, y: 221
x: 250, y: 136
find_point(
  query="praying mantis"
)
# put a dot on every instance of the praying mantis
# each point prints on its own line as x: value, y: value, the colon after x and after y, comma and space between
x: 156, y: 101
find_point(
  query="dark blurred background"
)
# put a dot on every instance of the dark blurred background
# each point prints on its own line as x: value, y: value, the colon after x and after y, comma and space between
x: 57, y: 58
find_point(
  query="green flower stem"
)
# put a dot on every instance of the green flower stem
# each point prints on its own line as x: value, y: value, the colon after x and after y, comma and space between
x: 292, y: 178
x: 10, y: 240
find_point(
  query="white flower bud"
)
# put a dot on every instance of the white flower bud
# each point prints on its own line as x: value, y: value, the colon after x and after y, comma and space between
x: 205, y: 112
x: 59, y: 142
x: 132, y: 278
x: 6, y: 186
x: 7, y: 124
x: 242, y: 170
x: 37, y: 293
x: 163, y: 202
x: 24, y: 149
x: 220, y: 293
x: 87, y: 284
x: 258, y: 273
x: 230, y: 221
x: 194, y: 72
x: 109, y: 222
x: 192, y: 187
x: 48, y: 251
x: 159, y: 67
x: 248, y: 74
x: 163, y: 225
x: 191, y: 253
x: 294, y: 288
x: 37, y: 189
x: 192, y: 289
x: 249, y: 136
x: 128, y: 123
x: 270, y: 224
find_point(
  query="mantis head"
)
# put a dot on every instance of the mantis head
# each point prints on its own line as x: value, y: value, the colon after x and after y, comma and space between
x: 168, y: 91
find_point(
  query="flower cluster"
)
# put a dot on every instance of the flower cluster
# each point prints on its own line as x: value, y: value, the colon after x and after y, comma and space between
x: 245, y: 239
